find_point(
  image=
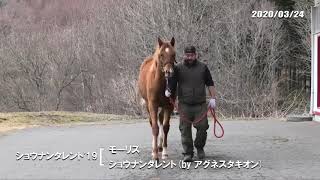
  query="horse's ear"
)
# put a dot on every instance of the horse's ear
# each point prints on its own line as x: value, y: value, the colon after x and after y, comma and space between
x: 160, y: 42
x: 172, y: 41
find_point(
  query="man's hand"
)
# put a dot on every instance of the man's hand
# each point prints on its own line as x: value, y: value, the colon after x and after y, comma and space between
x: 212, y: 103
x: 167, y: 93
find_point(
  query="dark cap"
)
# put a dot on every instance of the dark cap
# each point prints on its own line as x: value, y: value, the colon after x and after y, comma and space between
x: 189, y: 49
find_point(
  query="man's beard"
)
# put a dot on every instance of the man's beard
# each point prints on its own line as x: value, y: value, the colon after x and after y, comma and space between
x: 189, y: 62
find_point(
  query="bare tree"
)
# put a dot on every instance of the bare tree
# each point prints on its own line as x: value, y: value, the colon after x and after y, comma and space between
x: 83, y: 55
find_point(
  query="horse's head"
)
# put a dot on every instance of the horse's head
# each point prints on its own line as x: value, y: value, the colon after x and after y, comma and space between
x: 166, y: 56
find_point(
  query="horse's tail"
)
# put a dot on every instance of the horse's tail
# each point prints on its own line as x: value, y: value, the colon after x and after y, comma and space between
x: 142, y: 102
x: 139, y: 98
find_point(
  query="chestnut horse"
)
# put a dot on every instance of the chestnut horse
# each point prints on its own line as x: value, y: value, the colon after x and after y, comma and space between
x: 152, y: 83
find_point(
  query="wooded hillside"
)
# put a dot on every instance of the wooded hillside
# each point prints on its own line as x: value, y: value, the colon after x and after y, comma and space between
x: 81, y: 55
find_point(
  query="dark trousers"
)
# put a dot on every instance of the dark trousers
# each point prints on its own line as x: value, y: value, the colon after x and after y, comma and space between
x: 192, y: 113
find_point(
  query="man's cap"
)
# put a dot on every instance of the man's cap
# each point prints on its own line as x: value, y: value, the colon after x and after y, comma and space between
x: 189, y: 49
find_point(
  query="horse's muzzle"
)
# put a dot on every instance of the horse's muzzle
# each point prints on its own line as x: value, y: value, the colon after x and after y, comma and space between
x: 168, y: 74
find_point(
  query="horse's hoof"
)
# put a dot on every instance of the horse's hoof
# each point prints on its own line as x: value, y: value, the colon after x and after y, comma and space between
x: 160, y: 149
x: 155, y: 156
x: 164, y: 156
x: 156, y: 160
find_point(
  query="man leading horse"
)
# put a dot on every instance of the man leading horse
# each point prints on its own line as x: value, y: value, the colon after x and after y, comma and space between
x: 191, y: 76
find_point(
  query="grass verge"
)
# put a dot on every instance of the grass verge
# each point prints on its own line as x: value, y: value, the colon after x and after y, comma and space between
x: 20, y: 120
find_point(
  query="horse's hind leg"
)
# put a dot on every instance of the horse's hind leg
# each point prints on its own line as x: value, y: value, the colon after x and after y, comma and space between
x: 161, y: 116
x: 150, y: 121
x: 166, y: 127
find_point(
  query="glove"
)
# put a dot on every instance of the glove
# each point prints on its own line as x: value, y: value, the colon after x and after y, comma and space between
x: 167, y: 93
x: 212, y: 103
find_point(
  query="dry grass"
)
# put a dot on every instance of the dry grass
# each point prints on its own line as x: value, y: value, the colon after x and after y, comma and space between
x: 21, y: 120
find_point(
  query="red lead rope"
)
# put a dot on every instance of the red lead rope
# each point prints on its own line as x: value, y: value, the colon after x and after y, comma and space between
x: 213, y: 113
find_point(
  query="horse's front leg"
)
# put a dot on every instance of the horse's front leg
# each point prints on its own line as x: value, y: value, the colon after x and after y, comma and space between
x: 166, y: 127
x: 153, y: 110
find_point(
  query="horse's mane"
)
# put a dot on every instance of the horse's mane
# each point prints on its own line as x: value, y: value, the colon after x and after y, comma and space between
x: 153, y: 56
x: 146, y: 61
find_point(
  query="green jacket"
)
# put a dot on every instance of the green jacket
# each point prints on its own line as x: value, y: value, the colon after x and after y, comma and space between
x: 191, y: 81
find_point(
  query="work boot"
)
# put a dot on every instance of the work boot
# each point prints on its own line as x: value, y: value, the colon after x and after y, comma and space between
x: 201, y: 154
x: 187, y: 158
